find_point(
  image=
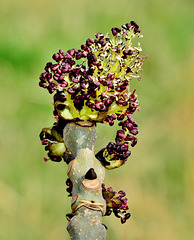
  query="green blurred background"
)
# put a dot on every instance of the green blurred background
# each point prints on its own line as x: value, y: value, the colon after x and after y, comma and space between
x: 158, y: 177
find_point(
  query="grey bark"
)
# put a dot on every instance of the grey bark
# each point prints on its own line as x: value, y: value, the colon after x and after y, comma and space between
x: 86, y: 174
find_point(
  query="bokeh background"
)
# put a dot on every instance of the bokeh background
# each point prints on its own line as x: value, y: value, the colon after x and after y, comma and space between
x: 158, y: 177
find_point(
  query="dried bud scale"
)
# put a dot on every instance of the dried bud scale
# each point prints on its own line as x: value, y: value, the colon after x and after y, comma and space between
x: 97, y: 90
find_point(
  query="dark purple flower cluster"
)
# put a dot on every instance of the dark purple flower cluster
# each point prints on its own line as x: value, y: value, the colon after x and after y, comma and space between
x: 47, y: 140
x: 70, y: 187
x: 52, y: 138
x: 116, y: 203
x: 127, y: 26
x: 120, y: 149
x: 93, y: 84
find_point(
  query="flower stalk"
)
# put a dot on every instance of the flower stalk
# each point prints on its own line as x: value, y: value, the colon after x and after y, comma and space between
x: 97, y: 90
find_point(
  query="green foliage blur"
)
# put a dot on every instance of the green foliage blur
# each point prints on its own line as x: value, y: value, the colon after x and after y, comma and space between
x: 158, y: 177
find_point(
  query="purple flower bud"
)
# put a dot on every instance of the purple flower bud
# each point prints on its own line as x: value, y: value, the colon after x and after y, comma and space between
x: 46, y: 148
x: 129, y: 138
x: 118, y: 89
x: 55, y: 112
x: 124, y: 147
x: 123, y: 220
x: 83, y: 46
x: 48, y: 66
x: 108, y: 213
x: 132, y: 106
x: 56, y: 57
x: 108, y: 102
x: 71, y: 91
x: 127, y: 215
x: 109, y: 84
x: 113, y: 117
x: 110, y: 76
x: 99, y: 35
x: 68, y: 182
x: 89, y: 41
x: 126, y: 154
x: 54, y: 67
x: 89, y: 104
x: 111, y: 122
x: 58, y: 71
x: 71, y: 52
x: 128, y: 25
x: 75, y: 80
x: 64, y: 84
x: 41, y: 84
x: 134, y: 142
x: 62, y: 98
x: 110, y: 189
x: 125, y: 103
x: 121, y: 134
x: 133, y: 122
x: 118, y: 149
x: 101, y: 41
x: 129, y: 126
x: 49, y: 76
x: 100, y: 107
x: 61, y: 107
x: 51, y: 88
x: 119, y: 141
x: 56, y: 77
x: 44, y: 142
x: 120, y: 117
x: 134, y: 24
x: 61, y: 57
x: 136, y: 30
x: 121, y: 194
x: 61, y: 52
x: 125, y: 201
x: 41, y: 135
x: 124, y: 128
x: 78, y: 56
x: 43, y: 75
x: 134, y: 131
x: 114, y: 32
x: 121, y: 123
x: 56, y: 97
x: 61, y: 77
x: 83, y: 85
x: 125, y: 52
x: 110, y: 147
x: 128, y: 70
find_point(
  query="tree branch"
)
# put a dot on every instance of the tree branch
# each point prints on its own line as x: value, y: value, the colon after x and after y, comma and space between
x: 86, y: 174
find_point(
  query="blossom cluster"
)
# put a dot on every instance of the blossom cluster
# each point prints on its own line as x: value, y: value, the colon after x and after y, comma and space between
x: 93, y: 84
x: 116, y: 203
